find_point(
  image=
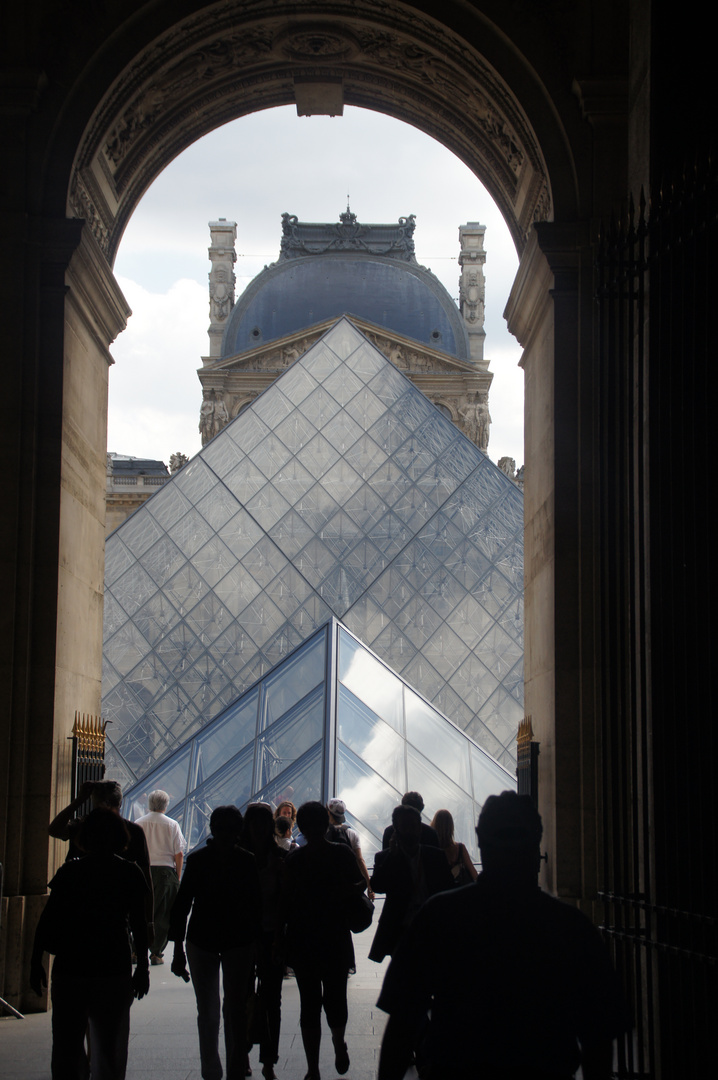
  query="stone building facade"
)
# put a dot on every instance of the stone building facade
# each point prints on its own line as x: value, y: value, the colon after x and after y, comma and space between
x: 401, y: 307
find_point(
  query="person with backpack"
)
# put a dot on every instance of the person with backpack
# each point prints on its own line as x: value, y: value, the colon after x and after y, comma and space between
x: 341, y: 833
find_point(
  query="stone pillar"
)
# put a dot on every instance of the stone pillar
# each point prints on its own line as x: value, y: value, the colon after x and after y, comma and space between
x: 222, y: 281
x: 472, y: 287
x: 549, y: 311
x: 54, y: 433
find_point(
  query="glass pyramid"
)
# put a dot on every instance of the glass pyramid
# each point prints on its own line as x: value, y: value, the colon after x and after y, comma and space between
x: 340, y: 491
x: 330, y: 718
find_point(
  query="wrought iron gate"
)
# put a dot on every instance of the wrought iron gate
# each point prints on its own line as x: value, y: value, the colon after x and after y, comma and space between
x: 658, y: 771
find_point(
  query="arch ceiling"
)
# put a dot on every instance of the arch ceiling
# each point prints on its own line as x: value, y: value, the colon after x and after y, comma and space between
x: 228, y: 60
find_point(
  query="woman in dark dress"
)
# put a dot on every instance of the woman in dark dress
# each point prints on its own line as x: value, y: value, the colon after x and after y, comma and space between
x: 320, y: 880
x: 259, y: 839
x: 220, y: 886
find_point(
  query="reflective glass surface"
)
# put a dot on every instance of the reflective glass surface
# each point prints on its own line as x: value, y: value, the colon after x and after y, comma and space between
x: 382, y: 740
x: 340, y: 491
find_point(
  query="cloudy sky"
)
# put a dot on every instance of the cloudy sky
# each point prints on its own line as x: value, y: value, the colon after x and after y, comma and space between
x: 250, y: 171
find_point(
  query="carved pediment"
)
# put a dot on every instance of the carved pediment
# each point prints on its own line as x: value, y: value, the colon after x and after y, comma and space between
x: 411, y: 357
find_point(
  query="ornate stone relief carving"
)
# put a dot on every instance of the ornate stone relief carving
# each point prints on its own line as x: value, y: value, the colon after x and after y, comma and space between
x: 228, y: 59
x: 213, y: 414
x: 348, y: 234
x: 474, y: 418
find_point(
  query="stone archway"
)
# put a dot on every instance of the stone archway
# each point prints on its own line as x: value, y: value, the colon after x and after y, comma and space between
x: 221, y: 64
x: 122, y: 97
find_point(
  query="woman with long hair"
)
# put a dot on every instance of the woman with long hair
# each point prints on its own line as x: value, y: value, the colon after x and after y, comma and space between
x: 270, y: 859
x: 462, y: 869
x: 320, y: 880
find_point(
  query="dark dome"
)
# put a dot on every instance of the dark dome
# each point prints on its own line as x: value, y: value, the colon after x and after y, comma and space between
x: 296, y: 293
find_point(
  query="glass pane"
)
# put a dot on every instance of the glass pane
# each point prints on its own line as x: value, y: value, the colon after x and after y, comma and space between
x: 368, y: 798
x: 133, y: 589
x: 117, y: 559
x: 231, y: 732
x: 441, y: 793
x: 214, y: 561
x: 232, y: 785
x: 296, y: 431
x: 294, y: 680
x: 171, y: 777
x: 299, y: 783
x: 370, y: 681
x: 371, y: 739
x: 286, y: 741
x: 195, y: 480
x: 343, y: 339
x: 446, y: 748
x: 222, y: 456
x: 162, y: 560
x: 488, y: 777
x: 168, y: 506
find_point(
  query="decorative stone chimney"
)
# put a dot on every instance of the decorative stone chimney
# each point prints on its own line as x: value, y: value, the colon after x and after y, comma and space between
x: 222, y: 281
x: 472, y: 288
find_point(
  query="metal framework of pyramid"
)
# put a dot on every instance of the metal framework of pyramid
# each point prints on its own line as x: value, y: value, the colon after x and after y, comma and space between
x: 340, y: 491
x: 330, y: 718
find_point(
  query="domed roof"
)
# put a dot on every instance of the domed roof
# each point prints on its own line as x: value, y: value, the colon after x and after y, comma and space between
x: 326, y: 271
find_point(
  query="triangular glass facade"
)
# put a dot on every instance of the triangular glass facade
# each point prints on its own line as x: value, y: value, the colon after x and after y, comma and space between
x: 330, y: 718
x: 340, y: 491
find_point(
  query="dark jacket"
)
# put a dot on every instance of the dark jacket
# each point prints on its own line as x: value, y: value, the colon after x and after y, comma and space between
x: 393, y: 876
x: 221, y: 887
x: 428, y: 836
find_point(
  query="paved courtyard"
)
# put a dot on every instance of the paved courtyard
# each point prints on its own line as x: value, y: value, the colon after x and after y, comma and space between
x: 163, y: 1038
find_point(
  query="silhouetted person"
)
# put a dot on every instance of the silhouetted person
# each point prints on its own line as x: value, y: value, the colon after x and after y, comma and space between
x: 283, y: 834
x: 428, y: 835
x: 166, y: 849
x: 106, y: 795
x: 85, y: 922
x: 220, y: 886
x: 409, y: 873
x: 518, y: 983
x: 259, y: 839
x: 340, y: 832
x: 320, y: 879
x: 459, y: 861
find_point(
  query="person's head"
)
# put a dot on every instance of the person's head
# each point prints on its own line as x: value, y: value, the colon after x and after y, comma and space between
x: 103, y: 832
x: 509, y: 832
x: 443, y: 826
x: 158, y: 801
x: 259, y: 827
x: 286, y: 809
x: 337, y: 811
x: 413, y: 798
x: 283, y: 826
x: 407, y: 827
x: 313, y: 820
x: 225, y: 824
x: 107, y: 795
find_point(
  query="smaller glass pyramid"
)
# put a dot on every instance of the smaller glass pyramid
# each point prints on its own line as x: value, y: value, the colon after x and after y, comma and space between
x: 330, y: 719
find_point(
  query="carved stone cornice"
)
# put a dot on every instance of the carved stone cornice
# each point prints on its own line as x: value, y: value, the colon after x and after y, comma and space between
x: 306, y: 238
x: 230, y: 59
x: 459, y: 388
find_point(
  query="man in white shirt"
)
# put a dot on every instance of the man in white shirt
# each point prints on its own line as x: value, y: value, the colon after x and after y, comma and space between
x: 166, y: 847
